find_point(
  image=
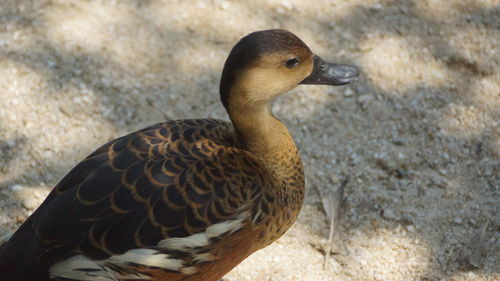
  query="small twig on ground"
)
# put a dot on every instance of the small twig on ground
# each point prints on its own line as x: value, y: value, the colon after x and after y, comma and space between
x: 334, y: 208
x: 478, y: 247
x: 320, y: 196
x: 330, y: 235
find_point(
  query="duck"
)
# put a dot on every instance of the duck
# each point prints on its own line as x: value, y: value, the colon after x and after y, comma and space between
x: 185, y: 199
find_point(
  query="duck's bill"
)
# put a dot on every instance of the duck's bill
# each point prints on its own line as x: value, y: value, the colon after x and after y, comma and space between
x: 325, y: 73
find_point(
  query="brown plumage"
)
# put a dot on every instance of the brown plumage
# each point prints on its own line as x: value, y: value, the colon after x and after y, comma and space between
x: 184, y: 199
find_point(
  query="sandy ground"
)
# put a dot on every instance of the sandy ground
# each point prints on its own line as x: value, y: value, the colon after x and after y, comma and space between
x: 419, y: 134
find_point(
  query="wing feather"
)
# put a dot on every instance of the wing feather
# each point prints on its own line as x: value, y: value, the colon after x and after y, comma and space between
x: 170, y: 180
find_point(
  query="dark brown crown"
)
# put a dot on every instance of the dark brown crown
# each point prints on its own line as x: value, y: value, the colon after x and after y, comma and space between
x: 250, y: 48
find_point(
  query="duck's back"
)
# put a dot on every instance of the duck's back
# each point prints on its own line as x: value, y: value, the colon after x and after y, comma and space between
x: 157, y: 201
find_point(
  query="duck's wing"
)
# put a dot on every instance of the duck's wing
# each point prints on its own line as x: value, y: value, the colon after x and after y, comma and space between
x: 154, y: 198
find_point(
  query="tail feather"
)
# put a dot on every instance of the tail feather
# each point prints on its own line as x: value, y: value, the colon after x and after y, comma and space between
x: 16, y: 257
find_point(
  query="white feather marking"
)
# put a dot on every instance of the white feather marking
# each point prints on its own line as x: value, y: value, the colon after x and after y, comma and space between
x: 189, y: 270
x: 68, y: 268
x: 71, y: 267
x: 79, y: 268
x: 223, y: 227
x: 97, y: 270
x: 203, y: 257
x: 148, y: 257
x: 180, y: 243
x: 202, y: 238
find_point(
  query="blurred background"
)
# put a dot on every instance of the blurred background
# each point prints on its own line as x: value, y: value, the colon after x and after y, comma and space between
x: 418, y: 134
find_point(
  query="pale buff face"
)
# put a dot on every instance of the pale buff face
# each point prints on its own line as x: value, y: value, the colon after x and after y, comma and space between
x: 271, y: 75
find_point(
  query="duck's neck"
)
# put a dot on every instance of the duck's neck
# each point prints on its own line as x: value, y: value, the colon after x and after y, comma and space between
x: 259, y: 132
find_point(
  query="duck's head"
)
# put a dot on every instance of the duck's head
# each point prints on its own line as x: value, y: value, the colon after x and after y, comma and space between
x: 265, y: 64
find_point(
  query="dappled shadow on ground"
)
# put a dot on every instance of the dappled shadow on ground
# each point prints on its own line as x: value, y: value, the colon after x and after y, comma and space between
x: 418, y: 133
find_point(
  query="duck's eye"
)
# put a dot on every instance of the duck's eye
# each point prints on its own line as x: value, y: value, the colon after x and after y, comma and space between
x: 291, y: 63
